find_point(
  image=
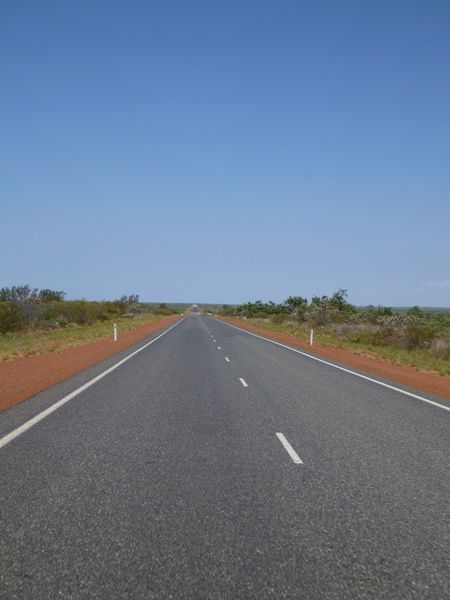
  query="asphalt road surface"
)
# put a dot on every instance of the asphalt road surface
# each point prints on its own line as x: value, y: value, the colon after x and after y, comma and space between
x: 215, y: 464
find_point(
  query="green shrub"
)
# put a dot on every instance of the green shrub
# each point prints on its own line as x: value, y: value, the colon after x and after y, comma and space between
x: 261, y: 315
x: 228, y: 311
x: 164, y: 310
x: 50, y: 296
x: 11, y: 317
x: 372, y: 313
x: 80, y: 312
x: 280, y: 318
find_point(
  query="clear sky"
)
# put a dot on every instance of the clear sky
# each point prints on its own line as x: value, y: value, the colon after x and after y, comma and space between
x: 225, y: 151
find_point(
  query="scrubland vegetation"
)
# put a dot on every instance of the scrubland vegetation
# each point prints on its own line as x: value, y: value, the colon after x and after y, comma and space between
x: 414, y: 336
x: 33, y: 321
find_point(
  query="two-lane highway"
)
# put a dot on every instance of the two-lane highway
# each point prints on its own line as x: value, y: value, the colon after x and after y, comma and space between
x: 215, y: 464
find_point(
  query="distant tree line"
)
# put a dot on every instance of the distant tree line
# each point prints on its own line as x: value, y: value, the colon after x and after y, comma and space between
x: 24, y: 307
x: 319, y: 309
x: 334, y: 315
x: 24, y: 293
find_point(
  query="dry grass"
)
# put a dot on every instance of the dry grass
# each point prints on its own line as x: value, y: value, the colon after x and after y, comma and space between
x: 427, y: 360
x: 42, y: 341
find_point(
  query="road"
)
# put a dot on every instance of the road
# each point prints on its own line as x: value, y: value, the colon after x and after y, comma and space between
x: 215, y: 464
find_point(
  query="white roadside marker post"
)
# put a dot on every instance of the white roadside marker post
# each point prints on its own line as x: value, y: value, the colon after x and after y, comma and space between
x: 311, y: 337
x: 115, y: 332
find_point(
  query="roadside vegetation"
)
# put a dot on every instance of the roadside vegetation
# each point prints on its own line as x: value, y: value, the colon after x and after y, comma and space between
x: 34, y: 321
x: 415, y: 337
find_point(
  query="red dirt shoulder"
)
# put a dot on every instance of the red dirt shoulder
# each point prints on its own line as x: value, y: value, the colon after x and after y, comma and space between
x: 24, y: 377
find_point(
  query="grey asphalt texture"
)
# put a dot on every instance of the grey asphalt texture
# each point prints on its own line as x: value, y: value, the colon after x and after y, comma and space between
x: 166, y: 480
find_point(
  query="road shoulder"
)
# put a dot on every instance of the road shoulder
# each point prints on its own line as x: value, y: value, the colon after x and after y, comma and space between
x: 431, y: 383
x: 24, y: 377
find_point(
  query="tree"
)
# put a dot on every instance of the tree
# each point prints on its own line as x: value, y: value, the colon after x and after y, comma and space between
x: 372, y: 313
x: 293, y: 303
x: 18, y: 293
x: 51, y: 296
x: 415, y: 311
x: 319, y: 301
x: 126, y: 300
x: 339, y: 300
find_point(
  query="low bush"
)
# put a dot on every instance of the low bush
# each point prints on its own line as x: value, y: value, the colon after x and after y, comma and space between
x: 280, y: 318
x: 440, y: 347
x: 163, y: 310
x: 11, y: 317
x: 23, y: 307
x: 80, y: 312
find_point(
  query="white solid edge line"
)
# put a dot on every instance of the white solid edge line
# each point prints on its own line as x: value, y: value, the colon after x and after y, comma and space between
x: 386, y: 385
x: 289, y: 449
x: 227, y: 359
x: 33, y: 421
x: 244, y: 383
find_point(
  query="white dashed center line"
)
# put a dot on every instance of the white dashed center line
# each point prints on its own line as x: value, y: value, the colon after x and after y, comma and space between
x: 289, y: 449
x: 227, y: 359
x: 244, y: 383
x: 219, y: 348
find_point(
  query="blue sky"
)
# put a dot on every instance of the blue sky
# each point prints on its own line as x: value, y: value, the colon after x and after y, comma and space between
x: 212, y: 151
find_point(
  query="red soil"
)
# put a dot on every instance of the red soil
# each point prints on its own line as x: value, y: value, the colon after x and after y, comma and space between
x: 23, y: 377
x: 433, y: 383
